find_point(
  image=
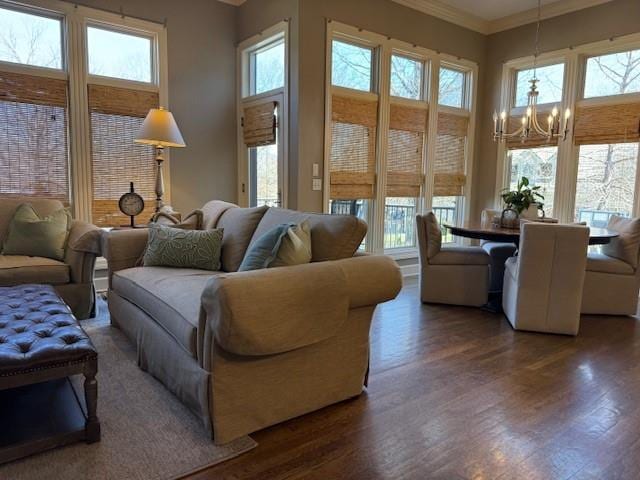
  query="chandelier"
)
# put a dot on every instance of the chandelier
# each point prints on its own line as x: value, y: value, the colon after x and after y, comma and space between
x: 529, y: 124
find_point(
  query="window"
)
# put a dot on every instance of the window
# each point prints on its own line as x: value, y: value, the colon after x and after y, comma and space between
x: 452, y: 86
x: 267, y: 68
x: 539, y: 166
x: 381, y: 113
x: 606, y: 182
x: 406, y: 77
x: 119, y: 55
x: 30, y: 39
x: 612, y: 74
x: 550, y: 82
x: 351, y: 66
x: 446, y: 211
x: 46, y: 148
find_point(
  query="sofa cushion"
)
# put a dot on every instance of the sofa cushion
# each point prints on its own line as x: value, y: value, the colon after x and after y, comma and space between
x: 43, y: 207
x: 296, y: 246
x: 239, y: 225
x: 434, y: 235
x: 171, y: 296
x: 19, y: 269
x: 332, y: 236
x: 263, y: 252
x: 461, y: 256
x: 176, y: 247
x: 212, y: 211
x: 626, y: 246
x: 598, y: 262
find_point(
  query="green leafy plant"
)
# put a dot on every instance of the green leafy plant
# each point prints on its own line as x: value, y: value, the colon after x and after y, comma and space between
x: 524, y: 196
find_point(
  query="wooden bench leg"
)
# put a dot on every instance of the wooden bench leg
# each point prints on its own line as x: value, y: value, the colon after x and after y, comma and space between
x: 92, y: 426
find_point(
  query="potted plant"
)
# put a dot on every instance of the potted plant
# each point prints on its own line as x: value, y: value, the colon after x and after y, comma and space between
x: 525, y: 199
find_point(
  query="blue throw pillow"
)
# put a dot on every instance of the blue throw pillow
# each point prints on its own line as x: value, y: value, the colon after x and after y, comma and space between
x: 265, y: 249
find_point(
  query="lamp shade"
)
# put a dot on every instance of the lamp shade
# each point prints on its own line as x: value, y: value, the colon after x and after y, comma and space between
x: 159, y: 129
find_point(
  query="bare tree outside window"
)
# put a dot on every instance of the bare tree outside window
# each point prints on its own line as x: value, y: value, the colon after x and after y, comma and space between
x: 550, y: 80
x: 451, y: 87
x: 30, y: 39
x: 613, y: 74
x: 406, y: 77
x: 268, y: 68
x: 119, y: 55
x: 539, y: 166
x: 351, y: 66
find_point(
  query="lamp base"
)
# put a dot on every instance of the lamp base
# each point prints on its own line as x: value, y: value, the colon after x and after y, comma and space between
x: 159, y: 178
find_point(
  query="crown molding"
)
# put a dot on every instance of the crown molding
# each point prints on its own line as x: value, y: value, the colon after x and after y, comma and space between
x: 465, y: 19
x: 235, y: 3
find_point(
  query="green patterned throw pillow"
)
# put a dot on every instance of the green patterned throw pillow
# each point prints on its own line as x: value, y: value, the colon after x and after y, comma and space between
x: 33, y: 236
x: 173, y: 247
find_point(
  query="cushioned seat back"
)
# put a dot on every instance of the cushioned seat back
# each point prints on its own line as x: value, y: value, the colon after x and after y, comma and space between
x: 239, y: 224
x: 8, y: 205
x: 332, y: 236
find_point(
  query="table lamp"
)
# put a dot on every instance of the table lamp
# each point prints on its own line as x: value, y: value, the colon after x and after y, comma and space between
x: 160, y: 130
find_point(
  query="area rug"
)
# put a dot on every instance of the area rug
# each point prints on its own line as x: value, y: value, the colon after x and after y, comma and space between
x: 146, y: 432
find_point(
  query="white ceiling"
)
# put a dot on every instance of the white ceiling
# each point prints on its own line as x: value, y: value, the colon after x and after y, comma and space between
x: 494, y: 9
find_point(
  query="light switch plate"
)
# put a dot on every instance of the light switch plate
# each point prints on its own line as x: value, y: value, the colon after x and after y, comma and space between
x: 317, y: 184
x: 316, y: 169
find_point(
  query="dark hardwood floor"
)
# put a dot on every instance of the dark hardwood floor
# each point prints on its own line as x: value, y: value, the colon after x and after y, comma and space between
x: 455, y: 393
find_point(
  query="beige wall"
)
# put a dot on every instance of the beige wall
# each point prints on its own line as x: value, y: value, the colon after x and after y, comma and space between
x: 616, y: 18
x: 202, y: 82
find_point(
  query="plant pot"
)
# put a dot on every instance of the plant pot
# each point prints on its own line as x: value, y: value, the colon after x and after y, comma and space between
x: 531, y: 213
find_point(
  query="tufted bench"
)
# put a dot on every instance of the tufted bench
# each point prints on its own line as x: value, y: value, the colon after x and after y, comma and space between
x: 41, y: 341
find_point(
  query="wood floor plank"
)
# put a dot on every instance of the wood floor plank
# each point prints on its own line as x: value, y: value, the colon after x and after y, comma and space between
x: 455, y: 393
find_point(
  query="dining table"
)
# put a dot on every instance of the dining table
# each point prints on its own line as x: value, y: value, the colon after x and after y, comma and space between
x: 480, y: 230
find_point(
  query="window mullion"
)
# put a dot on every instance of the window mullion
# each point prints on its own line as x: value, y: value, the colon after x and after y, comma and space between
x: 432, y: 133
x: 79, y: 133
x: 382, y: 83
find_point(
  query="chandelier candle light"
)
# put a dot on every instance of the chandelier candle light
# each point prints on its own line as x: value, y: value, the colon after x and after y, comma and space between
x: 529, y: 123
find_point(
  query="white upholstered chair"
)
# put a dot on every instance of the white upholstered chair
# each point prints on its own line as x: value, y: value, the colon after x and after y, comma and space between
x: 612, y: 280
x: 451, y: 274
x: 543, y: 284
x: 498, y: 252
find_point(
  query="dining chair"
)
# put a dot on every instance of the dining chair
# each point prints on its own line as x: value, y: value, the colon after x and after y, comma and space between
x: 498, y: 252
x: 612, y: 280
x: 543, y: 284
x: 452, y: 275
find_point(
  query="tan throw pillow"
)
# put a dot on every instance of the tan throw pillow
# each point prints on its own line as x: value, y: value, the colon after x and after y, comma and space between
x: 434, y: 235
x: 626, y: 246
x: 296, y: 246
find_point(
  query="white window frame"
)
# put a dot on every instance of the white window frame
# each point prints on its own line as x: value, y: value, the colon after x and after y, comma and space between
x: 384, y: 47
x: 575, y: 60
x: 75, y: 19
x: 244, y: 52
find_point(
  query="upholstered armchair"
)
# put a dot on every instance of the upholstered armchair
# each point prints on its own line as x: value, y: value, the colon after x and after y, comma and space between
x: 498, y: 252
x: 543, y: 284
x: 612, y: 280
x: 450, y: 274
x: 72, y: 277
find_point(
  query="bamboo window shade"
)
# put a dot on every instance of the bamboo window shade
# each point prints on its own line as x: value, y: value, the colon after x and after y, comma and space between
x: 116, y: 115
x: 352, y: 160
x: 407, y: 129
x: 33, y: 136
x: 534, y: 140
x: 259, y: 124
x: 450, y: 157
x: 605, y: 124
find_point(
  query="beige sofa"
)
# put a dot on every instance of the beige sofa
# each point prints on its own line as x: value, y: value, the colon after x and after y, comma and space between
x: 245, y: 350
x: 73, y: 277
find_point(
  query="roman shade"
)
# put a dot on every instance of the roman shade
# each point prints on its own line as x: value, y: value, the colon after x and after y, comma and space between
x: 534, y: 140
x: 450, y: 159
x: 116, y: 115
x: 259, y: 124
x: 352, y: 160
x: 34, y: 158
x: 407, y: 129
x: 606, y: 124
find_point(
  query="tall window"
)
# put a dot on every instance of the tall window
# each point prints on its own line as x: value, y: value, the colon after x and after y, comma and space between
x: 550, y: 83
x: 381, y: 112
x: 34, y: 157
x: 539, y: 166
x: 263, y: 109
x: 47, y: 152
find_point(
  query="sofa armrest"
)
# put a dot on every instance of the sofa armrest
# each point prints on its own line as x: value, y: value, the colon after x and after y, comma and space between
x: 270, y: 311
x: 123, y: 248
x: 83, y: 246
